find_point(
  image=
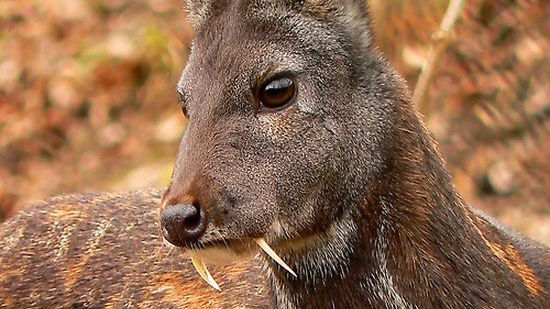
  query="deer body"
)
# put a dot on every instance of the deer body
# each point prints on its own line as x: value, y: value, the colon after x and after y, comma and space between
x: 105, y: 251
x: 300, y: 133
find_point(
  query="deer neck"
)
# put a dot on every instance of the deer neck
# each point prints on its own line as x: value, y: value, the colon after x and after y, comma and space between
x: 379, y: 252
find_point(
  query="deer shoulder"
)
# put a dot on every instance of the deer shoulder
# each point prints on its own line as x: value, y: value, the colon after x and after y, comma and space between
x: 106, y: 251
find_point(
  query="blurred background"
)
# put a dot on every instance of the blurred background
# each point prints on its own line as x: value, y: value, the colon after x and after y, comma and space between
x: 88, y: 101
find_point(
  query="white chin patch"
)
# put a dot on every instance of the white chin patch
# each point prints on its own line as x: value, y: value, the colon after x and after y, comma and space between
x: 222, y: 256
x: 219, y: 256
x: 216, y: 256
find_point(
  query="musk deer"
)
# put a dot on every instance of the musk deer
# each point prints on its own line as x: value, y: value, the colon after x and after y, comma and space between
x: 302, y: 140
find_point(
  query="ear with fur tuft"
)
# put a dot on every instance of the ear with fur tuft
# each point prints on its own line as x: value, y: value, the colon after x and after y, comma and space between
x: 197, y: 9
x: 358, y: 13
x: 354, y: 12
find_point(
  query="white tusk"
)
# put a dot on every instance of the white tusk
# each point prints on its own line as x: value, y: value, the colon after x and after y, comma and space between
x: 203, y: 271
x: 267, y: 249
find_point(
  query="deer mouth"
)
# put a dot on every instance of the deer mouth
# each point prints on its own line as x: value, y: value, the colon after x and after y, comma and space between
x: 227, y: 250
x: 186, y: 226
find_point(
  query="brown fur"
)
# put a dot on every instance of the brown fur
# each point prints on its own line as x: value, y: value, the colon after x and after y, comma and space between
x: 105, y: 251
x: 345, y: 183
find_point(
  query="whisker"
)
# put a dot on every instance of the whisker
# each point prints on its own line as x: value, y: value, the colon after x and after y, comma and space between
x: 223, y: 239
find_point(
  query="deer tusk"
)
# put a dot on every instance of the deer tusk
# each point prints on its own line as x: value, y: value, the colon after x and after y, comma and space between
x: 203, y: 271
x: 267, y: 249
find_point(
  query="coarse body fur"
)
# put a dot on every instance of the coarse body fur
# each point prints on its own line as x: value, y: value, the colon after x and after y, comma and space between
x: 345, y: 183
x: 106, y: 251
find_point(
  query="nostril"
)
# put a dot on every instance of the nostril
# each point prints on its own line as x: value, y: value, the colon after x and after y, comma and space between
x: 192, y: 219
x: 183, y: 223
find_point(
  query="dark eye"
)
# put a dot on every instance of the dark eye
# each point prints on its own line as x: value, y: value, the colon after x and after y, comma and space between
x: 277, y: 93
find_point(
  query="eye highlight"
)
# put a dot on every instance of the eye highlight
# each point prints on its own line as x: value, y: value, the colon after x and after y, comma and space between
x: 276, y: 93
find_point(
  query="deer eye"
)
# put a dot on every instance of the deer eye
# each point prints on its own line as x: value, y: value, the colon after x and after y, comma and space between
x: 277, y: 93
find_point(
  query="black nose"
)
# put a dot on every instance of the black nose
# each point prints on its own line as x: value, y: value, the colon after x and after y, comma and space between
x: 182, y: 223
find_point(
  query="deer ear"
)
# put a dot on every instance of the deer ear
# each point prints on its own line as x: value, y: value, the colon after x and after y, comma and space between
x: 355, y: 14
x: 197, y: 10
x: 359, y: 18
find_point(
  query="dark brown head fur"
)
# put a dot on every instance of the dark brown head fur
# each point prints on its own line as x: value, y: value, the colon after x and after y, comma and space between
x: 283, y: 174
x: 344, y: 182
